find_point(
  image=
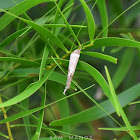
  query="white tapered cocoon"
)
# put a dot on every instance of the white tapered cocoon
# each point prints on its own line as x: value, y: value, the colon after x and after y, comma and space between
x: 74, y: 57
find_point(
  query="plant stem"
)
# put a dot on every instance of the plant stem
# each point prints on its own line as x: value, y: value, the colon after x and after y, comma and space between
x: 7, y: 124
x: 89, y: 45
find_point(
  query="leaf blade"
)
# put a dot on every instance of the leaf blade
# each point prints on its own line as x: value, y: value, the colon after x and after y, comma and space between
x: 115, y: 41
x: 95, y: 113
x: 19, y: 9
x: 43, y: 32
x: 113, y: 94
x: 28, y: 91
x: 90, y: 19
x: 101, y: 56
x: 43, y: 62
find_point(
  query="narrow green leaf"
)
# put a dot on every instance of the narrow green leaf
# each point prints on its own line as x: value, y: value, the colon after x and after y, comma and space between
x: 101, y: 56
x: 69, y: 27
x: 63, y: 25
x: 113, y: 94
x: 28, y: 112
x: 43, y: 62
x: 33, y: 117
x: 52, y: 49
x: 25, y: 104
x: 118, y: 107
x: 95, y: 112
x: 121, y: 110
x: 55, y: 76
x: 41, y: 115
x: 28, y: 91
x: 90, y: 20
x: 63, y: 105
x: 43, y: 32
x: 58, y: 137
x: 3, y: 135
x: 12, y: 37
x: 5, y: 72
x: 104, y: 18
x: 57, y: 13
x: 22, y: 61
x: 7, y: 53
x: 115, y: 41
x: 136, y: 102
x: 103, y: 14
x: 24, y: 72
x: 121, y: 128
x: 15, y: 83
x: 66, y: 40
x: 66, y: 12
x: 122, y: 13
x: 96, y: 75
x: 19, y: 32
x: 19, y: 9
x: 21, y: 114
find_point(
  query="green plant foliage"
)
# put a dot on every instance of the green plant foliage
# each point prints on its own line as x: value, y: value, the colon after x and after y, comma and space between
x: 37, y: 44
x: 95, y: 112
x: 90, y: 20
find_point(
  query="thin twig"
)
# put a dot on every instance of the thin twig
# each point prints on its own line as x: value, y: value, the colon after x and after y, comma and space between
x: 7, y: 123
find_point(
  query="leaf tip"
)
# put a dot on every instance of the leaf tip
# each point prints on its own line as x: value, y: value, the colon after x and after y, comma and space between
x: 116, y: 61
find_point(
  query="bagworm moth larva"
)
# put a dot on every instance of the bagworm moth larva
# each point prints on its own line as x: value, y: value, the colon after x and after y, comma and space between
x: 74, y: 57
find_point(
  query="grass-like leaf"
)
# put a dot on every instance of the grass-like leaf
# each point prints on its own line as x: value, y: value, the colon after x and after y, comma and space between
x: 41, y: 115
x: 25, y: 72
x: 12, y: 37
x: 22, y: 61
x: 63, y: 105
x: 118, y: 108
x: 14, y: 83
x: 96, y: 75
x: 25, y: 104
x: 28, y: 112
x: 103, y: 13
x: 27, y: 92
x: 42, y: 31
x: 43, y: 62
x: 19, y: 9
x: 114, y: 99
x: 19, y: 32
x: 5, y: 52
x: 61, y: 2
x: 66, y: 12
x: 95, y: 113
x: 136, y: 102
x: 104, y: 18
x: 121, y: 128
x: 3, y: 135
x: 90, y: 20
x: 69, y: 27
x: 101, y: 56
x: 115, y: 41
